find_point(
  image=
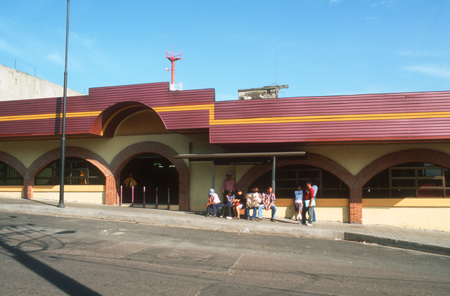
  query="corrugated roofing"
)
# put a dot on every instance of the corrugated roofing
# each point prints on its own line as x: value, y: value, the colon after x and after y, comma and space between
x: 372, y: 117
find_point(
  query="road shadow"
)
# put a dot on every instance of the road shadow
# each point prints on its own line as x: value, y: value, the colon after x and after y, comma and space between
x: 43, y: 202
x: 58, y: 279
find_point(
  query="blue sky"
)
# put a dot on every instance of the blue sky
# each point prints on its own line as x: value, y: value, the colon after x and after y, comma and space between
x: 317, y: 47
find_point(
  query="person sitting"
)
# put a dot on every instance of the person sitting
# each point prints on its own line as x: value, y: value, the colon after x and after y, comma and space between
x: 228, y: 204
x: 268, y: 203
x: 253, y: 203
x: 213, y: 203
x: 239, y: 203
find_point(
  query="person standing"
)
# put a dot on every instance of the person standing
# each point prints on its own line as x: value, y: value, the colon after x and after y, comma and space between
x: 298, y: 202
x: 268, y: 203
x: 129, y: 184
x: 308, y: 199
x: 228, y: 184
x: 316, y: 189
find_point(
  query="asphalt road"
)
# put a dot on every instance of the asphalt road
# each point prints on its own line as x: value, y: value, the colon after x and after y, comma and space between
x: 50, y: 255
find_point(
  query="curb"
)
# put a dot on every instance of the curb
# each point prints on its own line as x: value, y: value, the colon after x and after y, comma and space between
x: 396, y: 243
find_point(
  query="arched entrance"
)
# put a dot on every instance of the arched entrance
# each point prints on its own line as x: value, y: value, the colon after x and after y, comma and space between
x: 154, y: 172
x: 154, y: 151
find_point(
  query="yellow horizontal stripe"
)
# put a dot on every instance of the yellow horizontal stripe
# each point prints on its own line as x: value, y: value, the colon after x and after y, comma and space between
x: 184, y: 108
x: 48, y: 116
x: 260, y: 120
x: 292, y: 119
x: 323, y: 118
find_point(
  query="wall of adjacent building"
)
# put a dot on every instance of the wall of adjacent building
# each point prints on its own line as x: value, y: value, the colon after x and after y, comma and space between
x: 16, y: 85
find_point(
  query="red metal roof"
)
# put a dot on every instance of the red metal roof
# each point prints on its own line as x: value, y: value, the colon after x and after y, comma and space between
x: 371, y: 117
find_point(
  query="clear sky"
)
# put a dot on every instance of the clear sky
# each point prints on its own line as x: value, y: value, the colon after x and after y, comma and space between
x: 317, y: 47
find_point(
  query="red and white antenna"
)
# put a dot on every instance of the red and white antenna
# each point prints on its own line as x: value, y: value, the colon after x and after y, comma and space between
x: 173, y: 57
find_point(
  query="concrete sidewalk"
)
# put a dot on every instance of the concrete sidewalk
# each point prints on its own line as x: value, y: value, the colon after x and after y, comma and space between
x: 414, y: 239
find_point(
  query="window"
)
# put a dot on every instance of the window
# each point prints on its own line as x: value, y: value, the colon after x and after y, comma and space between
x: 287, y: 178
x: 9, y: 176
x: 76, y: 172
x: 409, y: 180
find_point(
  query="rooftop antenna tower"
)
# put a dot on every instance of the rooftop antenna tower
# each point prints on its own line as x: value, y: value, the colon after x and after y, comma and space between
x: 173, y: 57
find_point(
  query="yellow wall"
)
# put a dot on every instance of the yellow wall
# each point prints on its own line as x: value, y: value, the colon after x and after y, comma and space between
x: 356, y: 157
x: 422, y: 213
x: 83, y: 197
x: 411, y: 217
x: 80, y: 193
x: 11, y: 191
x: 353, y: 157
x: 200, y: 184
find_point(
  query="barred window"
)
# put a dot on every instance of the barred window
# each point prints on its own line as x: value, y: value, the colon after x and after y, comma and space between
x: 287, y: 179
x: 409, y: 180
x: 9, y: 176
x: 76, y: 172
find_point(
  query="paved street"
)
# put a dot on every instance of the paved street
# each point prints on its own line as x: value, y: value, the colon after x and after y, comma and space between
x: 51, y: 255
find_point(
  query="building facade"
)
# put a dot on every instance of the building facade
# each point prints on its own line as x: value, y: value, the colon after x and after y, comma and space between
x: 377, y: 158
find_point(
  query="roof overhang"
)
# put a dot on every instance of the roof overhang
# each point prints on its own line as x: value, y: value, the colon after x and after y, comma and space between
x: 213, y: 156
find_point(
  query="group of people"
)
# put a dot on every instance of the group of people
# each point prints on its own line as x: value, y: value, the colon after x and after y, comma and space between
x: 305, y: 201
x: 235, y: 202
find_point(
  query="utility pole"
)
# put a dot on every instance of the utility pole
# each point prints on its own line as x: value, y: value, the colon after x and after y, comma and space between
x: 63, y: 128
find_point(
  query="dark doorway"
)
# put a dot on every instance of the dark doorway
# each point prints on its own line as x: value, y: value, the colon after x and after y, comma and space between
x: 152, y: 171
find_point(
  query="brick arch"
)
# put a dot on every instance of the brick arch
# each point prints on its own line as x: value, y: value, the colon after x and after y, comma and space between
x: 417, y: 155
x: 14, y: 163
x: 93, y: 158
x: 312, y: 159
x: 124, y: 156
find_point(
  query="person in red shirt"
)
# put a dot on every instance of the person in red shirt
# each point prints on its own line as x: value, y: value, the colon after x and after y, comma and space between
x: 308, y: 204
x: 228, y: 184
